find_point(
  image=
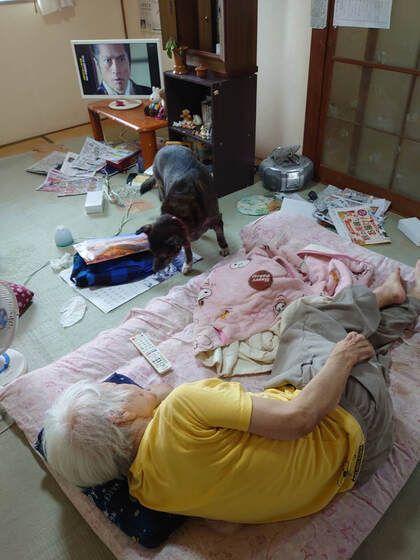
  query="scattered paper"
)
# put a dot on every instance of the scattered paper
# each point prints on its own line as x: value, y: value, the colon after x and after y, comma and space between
x: 293, y: 195
x: 363, y: 13
x: 53, y: 160
x: 107, y: 298
x: 64, y: 185
x: 68, y: 169
x: 92, y: 156
x: 333, y: 197
x: 73, y: 311
x: 294, y: 207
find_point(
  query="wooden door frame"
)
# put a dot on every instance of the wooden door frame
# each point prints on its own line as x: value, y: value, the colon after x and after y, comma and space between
x: 318, y: 90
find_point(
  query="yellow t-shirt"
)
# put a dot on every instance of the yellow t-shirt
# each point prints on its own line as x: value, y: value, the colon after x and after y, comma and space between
x: 197, y: 458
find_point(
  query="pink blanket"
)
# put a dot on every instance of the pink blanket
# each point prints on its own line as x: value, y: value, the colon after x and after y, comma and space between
x: 247, y: 296
x: 333, y: 533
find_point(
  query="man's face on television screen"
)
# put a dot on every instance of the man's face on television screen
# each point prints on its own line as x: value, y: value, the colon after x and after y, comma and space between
x: 114, y: 65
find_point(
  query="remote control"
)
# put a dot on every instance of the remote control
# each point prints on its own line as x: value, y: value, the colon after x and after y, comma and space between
x: 152, y: 354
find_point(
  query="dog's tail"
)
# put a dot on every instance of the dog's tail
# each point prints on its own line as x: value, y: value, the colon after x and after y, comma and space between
x: 147, y: 185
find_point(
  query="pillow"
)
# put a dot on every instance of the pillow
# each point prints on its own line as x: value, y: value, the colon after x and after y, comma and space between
x: 23, y: 295
x: 146, y: 526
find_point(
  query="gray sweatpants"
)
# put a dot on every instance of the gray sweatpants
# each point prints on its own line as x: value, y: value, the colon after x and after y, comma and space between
x: 310, y: 328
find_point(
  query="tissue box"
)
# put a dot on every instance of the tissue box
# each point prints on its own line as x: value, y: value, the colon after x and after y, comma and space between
x: 94, y: 202
x: 411, y: 228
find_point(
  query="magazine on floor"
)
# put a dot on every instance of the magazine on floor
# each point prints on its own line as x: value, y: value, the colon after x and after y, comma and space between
x: 333, y: 197
x: 359, y: 225
x: 108, y: 248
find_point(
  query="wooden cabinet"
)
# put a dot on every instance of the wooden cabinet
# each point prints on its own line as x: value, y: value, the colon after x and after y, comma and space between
x: 233, y: 106
x: 220, y: 34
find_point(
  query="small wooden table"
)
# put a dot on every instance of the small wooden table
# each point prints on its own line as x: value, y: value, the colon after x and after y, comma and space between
x: 133, y: 118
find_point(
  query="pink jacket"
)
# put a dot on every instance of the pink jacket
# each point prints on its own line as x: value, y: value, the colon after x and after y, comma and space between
x: 247, y: 296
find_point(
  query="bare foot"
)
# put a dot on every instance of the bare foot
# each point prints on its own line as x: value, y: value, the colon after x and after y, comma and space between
x: 391, y: 292
x: 415, y: 290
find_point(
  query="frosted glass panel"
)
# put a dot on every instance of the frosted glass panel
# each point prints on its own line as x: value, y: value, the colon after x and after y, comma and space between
x: 376, y: 156
x: 351, y: 42
x: 386, y: 100
x: 344, y: 91
x: 397, y: 46
x: 407, y: 175
x: 412, y: 122
x: 338, y: 138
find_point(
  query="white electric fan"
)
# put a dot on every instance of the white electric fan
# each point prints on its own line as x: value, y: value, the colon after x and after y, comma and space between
x: 12, y: 363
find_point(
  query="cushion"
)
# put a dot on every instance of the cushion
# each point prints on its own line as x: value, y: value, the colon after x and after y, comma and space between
x: 23, y: 295
x: 146, y: 526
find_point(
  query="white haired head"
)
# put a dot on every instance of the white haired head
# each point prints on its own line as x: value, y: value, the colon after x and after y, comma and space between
x: 81, y: 441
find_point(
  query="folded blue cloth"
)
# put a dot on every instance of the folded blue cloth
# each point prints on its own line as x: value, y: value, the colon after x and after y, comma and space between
x: 148, y: 527
x: 112, y: 272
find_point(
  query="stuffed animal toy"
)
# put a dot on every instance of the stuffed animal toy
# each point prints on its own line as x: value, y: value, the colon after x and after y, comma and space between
x: 152, y: 110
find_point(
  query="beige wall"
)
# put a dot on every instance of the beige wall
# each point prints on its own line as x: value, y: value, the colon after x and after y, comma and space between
x: 40, y: 94
x: 283, y: 47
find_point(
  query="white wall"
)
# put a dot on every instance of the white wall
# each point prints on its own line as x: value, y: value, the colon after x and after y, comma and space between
x: 284, y: 36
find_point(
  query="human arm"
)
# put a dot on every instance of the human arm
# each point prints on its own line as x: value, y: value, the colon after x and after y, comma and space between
x: 293, y: 419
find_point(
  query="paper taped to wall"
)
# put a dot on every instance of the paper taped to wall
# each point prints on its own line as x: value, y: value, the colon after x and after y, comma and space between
x: 359, y: 13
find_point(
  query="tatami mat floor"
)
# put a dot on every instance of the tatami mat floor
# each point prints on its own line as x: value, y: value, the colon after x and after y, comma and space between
x: 395, y: 537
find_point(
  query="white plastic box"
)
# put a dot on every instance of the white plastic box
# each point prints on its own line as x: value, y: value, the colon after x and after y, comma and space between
x: 94, y: 202
x: 411, y: 228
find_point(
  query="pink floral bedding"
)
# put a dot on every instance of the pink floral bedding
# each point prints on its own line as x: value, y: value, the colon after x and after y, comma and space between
x: 333, y: 533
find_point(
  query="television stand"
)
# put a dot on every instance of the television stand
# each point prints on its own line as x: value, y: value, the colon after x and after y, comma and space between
x: 132, y: 118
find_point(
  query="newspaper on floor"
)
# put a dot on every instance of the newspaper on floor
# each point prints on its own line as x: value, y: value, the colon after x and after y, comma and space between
x: 333, y: 197
x: 54, y: 160
x: 359, y: 225
x: 107, y: 298
x: 68, y: 168
x: 94, y: 155
x: 64, y: 185
x: 91, y: 157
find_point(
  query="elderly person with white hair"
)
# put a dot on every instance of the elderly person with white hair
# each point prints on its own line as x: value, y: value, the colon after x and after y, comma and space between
x: 212, y: 449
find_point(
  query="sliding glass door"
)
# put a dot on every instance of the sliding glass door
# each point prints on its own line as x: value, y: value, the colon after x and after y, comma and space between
x: 365, y: 131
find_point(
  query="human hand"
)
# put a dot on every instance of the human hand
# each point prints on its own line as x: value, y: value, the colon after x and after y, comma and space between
x: 353, y: 349
x: 160, y: 390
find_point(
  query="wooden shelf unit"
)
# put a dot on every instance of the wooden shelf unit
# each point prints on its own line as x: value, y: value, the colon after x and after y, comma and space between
x: 233, y: 101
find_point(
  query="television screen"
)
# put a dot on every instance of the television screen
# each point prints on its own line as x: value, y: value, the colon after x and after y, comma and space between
x: 118, y: 67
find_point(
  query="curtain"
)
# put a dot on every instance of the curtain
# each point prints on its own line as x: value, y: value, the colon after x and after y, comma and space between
x: 49, y: 6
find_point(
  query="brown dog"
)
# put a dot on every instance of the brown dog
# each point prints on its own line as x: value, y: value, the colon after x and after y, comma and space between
x: 189, y: 207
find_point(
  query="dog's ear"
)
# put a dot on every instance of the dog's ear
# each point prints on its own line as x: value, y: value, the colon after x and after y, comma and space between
x: 147, y: 229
